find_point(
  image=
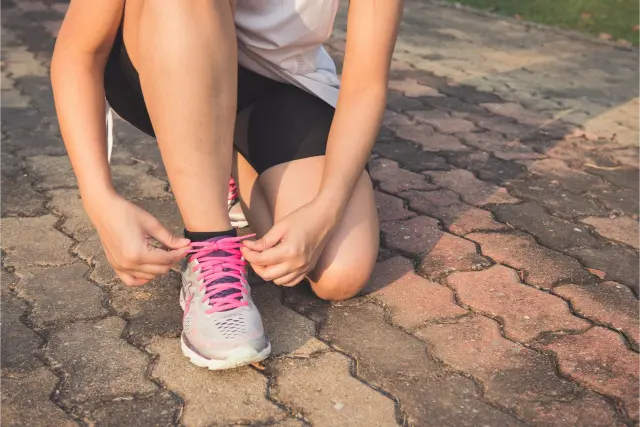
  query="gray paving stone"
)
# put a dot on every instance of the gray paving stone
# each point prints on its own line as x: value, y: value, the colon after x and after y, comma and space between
x: 206, y: 392
x: 159, y: 410
x: 151, y: 310
x: 90, y: 250
x: 552, y: 232
x: 25, y: 401
x: 399, y: 364
x: 60, y: 294
x: 44, y: 246
x: 323, y: 389
x: 287, y: 330
x: 19, y: 344
x: 618, y: 263
x: 487, y: 167
x: 98, y: 363
x: 470, y: 188
x: 554, y: 198
x: 20, y: 199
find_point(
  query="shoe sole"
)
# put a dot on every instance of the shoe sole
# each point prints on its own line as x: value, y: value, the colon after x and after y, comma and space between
x: 239, y: 224
x: 240, y: 357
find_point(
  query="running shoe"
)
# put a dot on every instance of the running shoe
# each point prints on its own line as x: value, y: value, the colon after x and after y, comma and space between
x: 236, y: 216
x: 222, y: 327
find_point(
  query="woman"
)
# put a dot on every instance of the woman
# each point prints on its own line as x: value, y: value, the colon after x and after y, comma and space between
x: 231, y: 88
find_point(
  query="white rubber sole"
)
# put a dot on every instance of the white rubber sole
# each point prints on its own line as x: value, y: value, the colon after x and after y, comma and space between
x: 239, y: 224
x: 240, y: 357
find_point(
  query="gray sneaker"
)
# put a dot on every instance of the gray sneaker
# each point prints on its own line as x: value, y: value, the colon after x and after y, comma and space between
x: 222, y: 327
x: 236, y: 216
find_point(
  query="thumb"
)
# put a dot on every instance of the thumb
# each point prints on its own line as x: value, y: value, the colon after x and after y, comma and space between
x: 269, y: 240
x: 164, y: 236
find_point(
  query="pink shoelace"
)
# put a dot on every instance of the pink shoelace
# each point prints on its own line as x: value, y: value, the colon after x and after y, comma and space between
x: 233, y: 190
x: 223, y: 276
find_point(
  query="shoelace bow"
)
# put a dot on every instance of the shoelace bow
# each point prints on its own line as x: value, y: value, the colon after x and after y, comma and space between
x: 213, y: 267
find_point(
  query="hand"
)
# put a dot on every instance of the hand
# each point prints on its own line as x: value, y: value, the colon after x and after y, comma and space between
x: 127, y: 233
x: 290, y: 250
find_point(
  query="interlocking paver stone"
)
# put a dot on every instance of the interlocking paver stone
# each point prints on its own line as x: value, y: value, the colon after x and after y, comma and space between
x: 512, y: 375
x: 391, y: 208
x: 486, y: 166
x: 599, y: 359
x: 409, y: 157
x: 412, y: 88
x: 451, y: 253
x: 542, y: 267
x: 559, y: 201
x: 398, y: 363
x: 287, y: 330
x: 323, y: 389
x: 19, y: 344
x: 471, y: 189
x: 456, y: 215
x: 516, y: 112
x: 159, y: 410
x: 608, y: 303
x: 429, y: 140
x: 550, y: 231
x: 525, y: 312
x: 44, y: 246
x: 571, y: 179
x: 502, y: 148
x: 447, y: 124
x: 19, y: 198
x: 90, y: 250
x: 622, y: 229
x: 25, y: 401
x: 618, y: 263
x: 622, y: 200
x: 205, y: 392
x: 55, y: 293
x: 393, y: 179
x: 97, y: 362
x: 151, y: 309
x: 411, y: 299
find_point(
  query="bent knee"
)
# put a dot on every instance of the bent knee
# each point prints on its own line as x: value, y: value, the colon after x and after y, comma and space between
x: 340, y: 284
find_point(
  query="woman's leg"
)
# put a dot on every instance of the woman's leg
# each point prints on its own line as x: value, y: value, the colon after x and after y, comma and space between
x: 349, y: 258
x: 185, y: 53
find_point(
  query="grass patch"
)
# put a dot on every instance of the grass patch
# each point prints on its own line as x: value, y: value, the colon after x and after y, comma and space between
x: 615, y: 17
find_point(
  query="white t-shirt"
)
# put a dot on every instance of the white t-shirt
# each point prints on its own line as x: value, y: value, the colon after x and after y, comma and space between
x: 282, y: 40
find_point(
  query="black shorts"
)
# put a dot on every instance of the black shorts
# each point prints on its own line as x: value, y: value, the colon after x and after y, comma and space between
x: 276, y: 122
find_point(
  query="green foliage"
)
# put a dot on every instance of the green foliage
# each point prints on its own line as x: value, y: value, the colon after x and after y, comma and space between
x: 618, y: 18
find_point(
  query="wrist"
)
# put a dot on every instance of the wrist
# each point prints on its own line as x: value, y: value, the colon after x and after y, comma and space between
x: 330, y: 207
x: 96, y: 199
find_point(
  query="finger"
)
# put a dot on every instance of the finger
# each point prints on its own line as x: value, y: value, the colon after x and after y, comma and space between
x: 142, y: 275
x: 275, y: 272
x: 270, y: 256
x: 164, y: 236
x: 159, y: 256
x: 154, y: 269
x: 269, y: 240
x: 295, y: 281
x: 129, y: 279
x: 287, y: 278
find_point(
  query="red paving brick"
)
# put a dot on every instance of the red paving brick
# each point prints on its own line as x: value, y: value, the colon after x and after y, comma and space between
x: 411, y: 299
x: 525, y: 311
x: 622, y: 229
x: 599, y: 360
x: 607, y: 303
x: 451, y: 253
x: 542, y: 267
x: 512, y: 375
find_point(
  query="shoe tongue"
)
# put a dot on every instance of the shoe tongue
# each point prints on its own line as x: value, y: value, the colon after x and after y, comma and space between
x: 217, y: 269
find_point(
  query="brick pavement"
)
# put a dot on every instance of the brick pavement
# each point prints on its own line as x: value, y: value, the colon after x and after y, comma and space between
x: 506, y: 291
